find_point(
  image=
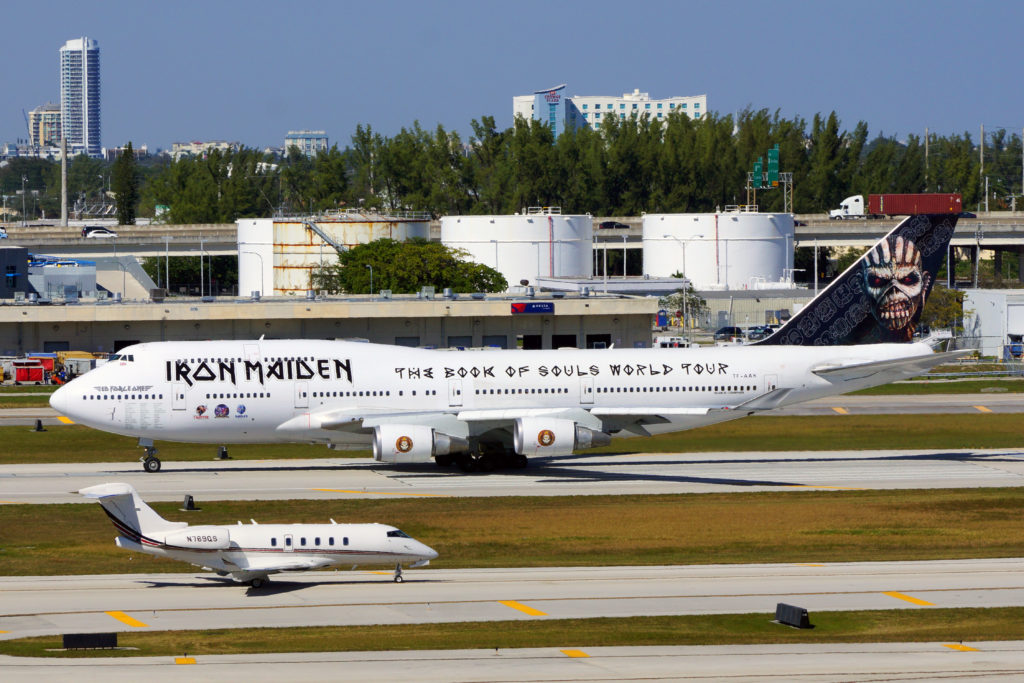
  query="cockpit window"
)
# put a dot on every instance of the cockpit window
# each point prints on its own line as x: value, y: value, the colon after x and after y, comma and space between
x: 397, y: 534
x: 115, y: 357
x: 123, y: 357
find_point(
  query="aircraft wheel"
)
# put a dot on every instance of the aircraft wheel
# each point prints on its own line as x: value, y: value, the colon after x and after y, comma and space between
x: 399, y: 579
x: 444, y: 460
x: 519, y: 461
x: 151, y: 464
x: 257, y: 582
x: 466, y: 463
x: 487, y: 464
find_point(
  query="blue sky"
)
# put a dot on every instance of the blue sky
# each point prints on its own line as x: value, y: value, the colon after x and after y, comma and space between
x: 250, y: 71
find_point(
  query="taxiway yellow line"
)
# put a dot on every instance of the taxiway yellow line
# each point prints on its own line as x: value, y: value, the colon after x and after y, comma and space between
x: 960, y: 646
x: 383, y: 493
x: 983, y: 409
x: 125, y: 619
x: 184, y: 660
x: 66, y: 420
x: 523, y: 608
x: 574, y: 653
x: 841, y: 411
x: 901, y: 596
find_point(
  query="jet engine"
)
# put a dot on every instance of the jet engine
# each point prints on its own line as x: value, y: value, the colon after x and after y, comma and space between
x: 199, y: 538
x: 404, y: 444
x: 554, y: 436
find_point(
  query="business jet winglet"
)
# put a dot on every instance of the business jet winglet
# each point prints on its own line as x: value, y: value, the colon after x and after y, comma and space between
x: 485, y: 409
x: 251, y: 552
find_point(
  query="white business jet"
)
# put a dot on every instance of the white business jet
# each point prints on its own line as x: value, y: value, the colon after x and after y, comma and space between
x: 482, y: 409
x: 251, y: 552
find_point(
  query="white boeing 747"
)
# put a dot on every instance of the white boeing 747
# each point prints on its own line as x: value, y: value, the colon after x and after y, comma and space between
x: 251, y: 552
x: 485, y: 408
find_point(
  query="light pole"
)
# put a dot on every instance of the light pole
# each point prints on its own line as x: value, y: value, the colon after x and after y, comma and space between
x: 261, y: 267
x: 371, y: 279
x: 686, y: 285
x: 23, y: 180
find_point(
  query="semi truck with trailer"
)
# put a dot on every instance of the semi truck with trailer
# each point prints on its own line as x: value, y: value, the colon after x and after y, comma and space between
x: 885, y: 205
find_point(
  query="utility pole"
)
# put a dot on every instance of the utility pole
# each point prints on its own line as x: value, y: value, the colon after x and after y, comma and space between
x: 63, y: 182
x: 926, y: 158
x: 23, y: 179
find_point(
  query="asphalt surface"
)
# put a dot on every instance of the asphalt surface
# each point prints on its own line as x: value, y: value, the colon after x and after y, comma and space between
x: 332, y: 478
x: 50, y: 605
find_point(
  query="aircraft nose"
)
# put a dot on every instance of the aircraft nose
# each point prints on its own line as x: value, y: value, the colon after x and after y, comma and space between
x: 59, y: 400
x: 427, y: 552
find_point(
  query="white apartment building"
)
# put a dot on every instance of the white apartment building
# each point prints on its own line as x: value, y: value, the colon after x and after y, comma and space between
x: 80, y: 95
x: 549, y: 106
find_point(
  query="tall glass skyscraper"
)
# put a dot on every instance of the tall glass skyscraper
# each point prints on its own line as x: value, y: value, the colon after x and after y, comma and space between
x: 80, y: 95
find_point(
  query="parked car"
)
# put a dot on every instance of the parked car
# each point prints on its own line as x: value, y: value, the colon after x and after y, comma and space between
x: 727, y: 333
x: 97, y: 231
x: 613, y: 225
x: 3, y: 234
x: 758, y: 332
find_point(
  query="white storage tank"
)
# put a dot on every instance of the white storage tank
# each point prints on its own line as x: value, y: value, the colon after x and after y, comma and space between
x: 727, y: 250
x: 538, y: 243
x: 278, y: 255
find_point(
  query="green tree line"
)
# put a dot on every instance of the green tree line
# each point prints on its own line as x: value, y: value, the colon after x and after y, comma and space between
x: 626, y: 167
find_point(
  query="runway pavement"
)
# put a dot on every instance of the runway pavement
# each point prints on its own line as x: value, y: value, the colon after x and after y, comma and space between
x: 51, y: 605
x: 329, y: 478
x: 933, y: 661
x: 82, y: 604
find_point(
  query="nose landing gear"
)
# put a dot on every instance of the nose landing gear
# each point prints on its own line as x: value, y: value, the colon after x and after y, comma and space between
x: 150, y: 462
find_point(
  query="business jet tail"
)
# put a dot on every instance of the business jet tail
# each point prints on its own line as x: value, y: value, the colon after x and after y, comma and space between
x: 880, y: 297
x: 129, y: 513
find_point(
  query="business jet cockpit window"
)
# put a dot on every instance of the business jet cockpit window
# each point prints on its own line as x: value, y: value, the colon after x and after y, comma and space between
x: 398, y: 534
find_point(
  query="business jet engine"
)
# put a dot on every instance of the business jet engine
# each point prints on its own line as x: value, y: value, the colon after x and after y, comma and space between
x: 199, y: 538
x: 554, y: 436
x: 405, y: 444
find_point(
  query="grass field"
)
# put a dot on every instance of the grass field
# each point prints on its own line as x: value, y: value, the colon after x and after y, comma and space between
x: 74, y: 443
x: 784, y: 526
x: 932, y: 625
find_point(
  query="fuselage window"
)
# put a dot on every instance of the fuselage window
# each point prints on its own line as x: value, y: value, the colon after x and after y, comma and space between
x: 330, y: 541
x: 273, y: 542
x: 317, y: 541
x: 302, y: 541
x: 344, y: 541
x: 288, y: 541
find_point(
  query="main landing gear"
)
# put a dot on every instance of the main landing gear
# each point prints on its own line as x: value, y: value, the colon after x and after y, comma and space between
x: 258, y: 582
x: 398, y: 574
x: 150, y: 462
x: 481, y: 460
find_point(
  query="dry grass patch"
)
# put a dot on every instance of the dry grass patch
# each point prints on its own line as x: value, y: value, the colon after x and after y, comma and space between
x: 790, y: 526
x: 932, y: 625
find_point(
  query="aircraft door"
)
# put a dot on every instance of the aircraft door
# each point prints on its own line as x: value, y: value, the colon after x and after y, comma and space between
x: 178, y: 396
x: 288, y: 545
x: 252, y: 352
x: 302, y: 394
x: 771, y: 382
x: 586, y: 389
x: 455, y: 392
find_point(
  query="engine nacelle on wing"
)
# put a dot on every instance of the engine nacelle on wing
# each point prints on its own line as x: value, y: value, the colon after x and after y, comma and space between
x: 554, y: 436
x: 413, y: 444
x: 200, y: 538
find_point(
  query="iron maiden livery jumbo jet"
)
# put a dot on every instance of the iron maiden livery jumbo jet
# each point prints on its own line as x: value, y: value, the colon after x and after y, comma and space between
x: 484, y: 408
x: 251, y: 552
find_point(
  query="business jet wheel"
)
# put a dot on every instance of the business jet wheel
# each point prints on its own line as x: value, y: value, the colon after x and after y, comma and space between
x: 257, y: 582
x: 151, y: 464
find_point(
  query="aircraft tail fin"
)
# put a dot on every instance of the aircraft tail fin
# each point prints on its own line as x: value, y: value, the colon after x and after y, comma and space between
x: 129, y: 513
x: 879, y: 298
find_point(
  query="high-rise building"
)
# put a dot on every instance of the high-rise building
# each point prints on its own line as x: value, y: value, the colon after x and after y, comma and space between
x: 309, y: 142
x: 44, y: 125
x: 80, y: 95
x: 554, y: 109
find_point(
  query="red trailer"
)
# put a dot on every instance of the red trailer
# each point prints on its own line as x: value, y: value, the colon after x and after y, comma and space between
x: 47, y: 360
x: 906, y: 204
x: 28, y: 372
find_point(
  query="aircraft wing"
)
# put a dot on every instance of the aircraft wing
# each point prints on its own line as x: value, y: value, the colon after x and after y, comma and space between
x: 899, y: 368
x: 272, y: 565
